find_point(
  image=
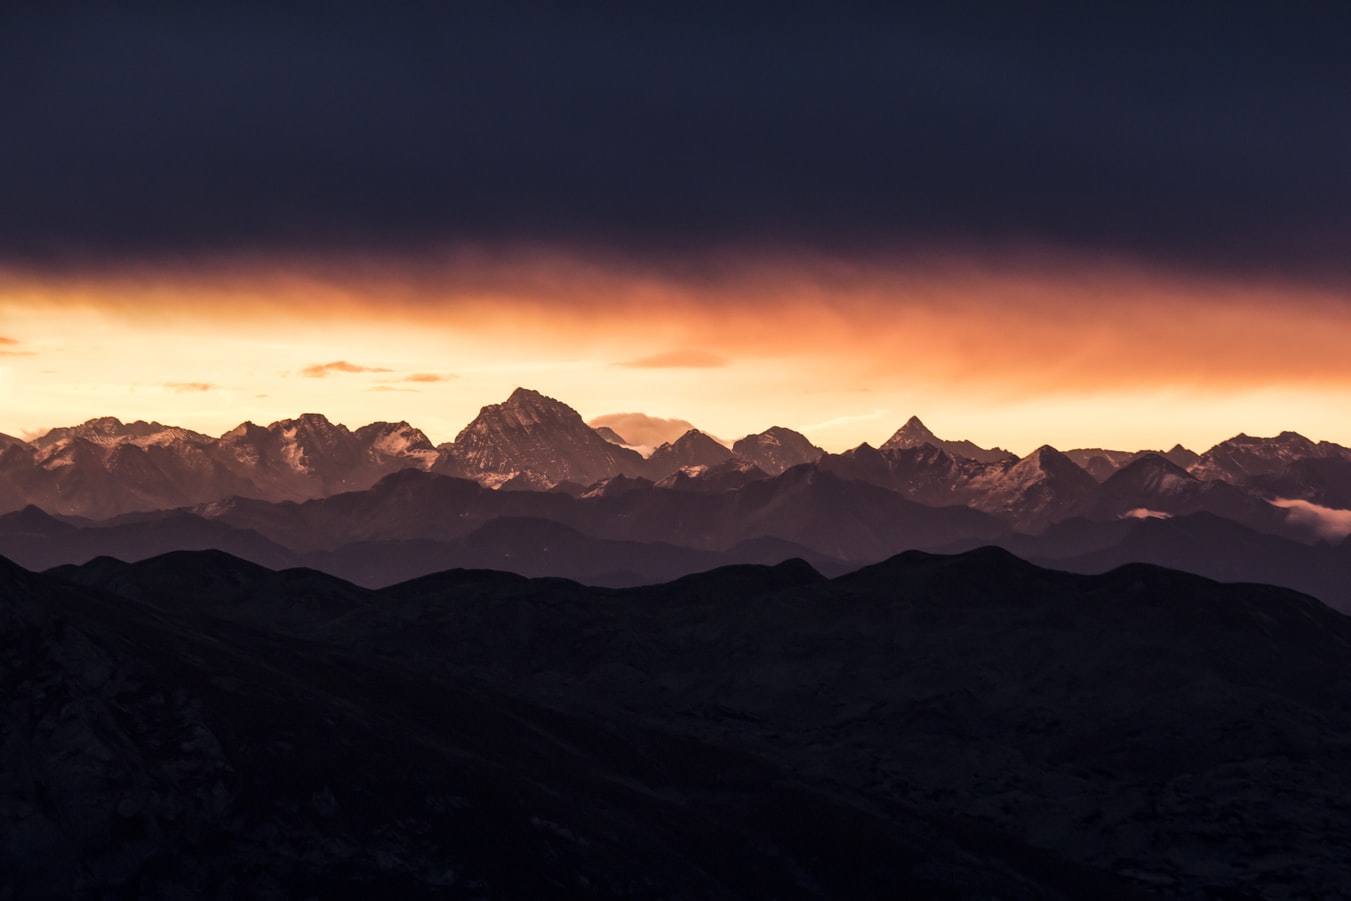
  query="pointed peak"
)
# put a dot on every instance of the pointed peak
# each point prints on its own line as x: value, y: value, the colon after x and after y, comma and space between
x: 526, y: 395
x: 915, y: 431
x: 913, y: 434
x: 530, y: 404
x: 1046, y: 452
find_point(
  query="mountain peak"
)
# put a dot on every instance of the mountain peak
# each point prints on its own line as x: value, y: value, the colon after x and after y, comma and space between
x: 526, y: 407
x: 777, y: 449
x: 913, y: 434
x: 523, y: 396
x: 306, y: 420
x: 692, y: 449
x: 111, y: 430
x: 916, y: 434
x: 530, y: 430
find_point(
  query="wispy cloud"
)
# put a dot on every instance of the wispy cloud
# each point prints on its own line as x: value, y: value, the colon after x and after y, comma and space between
x: 324, y: 370
x: 391, y: 388
x: 189, y: 387
x: 12, y: 342
x: 678, y: 359
x: 845, y: 420
x: 428, y: 377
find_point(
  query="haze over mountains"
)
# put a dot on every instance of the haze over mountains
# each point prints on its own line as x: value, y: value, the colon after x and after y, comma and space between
x: 529, y: 487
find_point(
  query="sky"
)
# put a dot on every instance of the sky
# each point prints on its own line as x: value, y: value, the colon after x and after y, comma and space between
x: 1079, y: 226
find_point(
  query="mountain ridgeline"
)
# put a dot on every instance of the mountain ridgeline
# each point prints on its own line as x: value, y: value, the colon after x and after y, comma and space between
x: 964, y: 726
x: 528, y: 486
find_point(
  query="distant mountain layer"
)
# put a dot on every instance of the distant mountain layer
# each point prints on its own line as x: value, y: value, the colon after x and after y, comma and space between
x: 960, y: 727
x: 381, y: 504
x: 104, y: 468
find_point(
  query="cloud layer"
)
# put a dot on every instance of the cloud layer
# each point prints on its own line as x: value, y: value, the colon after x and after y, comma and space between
x: 1175, y: 135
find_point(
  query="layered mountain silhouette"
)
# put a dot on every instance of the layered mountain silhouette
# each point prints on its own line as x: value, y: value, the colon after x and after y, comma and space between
x: 380, y: 503
x: 964, y: 727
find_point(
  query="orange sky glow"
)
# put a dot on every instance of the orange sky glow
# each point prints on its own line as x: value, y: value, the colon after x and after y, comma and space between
x: 1012, y: 352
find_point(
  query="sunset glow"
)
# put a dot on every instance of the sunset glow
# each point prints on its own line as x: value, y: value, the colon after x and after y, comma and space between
x: 1077, y: 227
x: 1010, y: 353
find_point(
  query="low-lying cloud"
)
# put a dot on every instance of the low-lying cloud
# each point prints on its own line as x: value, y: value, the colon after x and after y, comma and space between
x: 641, y: 430
x: 1328, y: 523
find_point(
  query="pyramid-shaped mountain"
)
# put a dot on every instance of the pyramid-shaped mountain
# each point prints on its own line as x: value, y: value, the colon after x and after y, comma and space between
x: 532, y: 432
x: 1042, y: 488
x: 916, y: 434
x: 777, y: 449
x: 693, y: 448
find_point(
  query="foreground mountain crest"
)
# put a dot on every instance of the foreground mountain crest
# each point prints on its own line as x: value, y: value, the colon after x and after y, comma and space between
x: 958, y: 726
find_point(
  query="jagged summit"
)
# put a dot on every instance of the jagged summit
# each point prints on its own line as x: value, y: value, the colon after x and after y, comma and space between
x: 692, y: 449
x: 777, y: 449
x: 916, y: 434
x: 533, y: 442
x: 1041, y: 488
x: 111, y: 430
x: 913, y: 434
x: 532, y: 432
x: 1244, y: 457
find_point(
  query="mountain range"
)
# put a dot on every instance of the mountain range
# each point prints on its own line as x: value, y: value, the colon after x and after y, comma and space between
x: 932, y: 726
x: 529, y: 487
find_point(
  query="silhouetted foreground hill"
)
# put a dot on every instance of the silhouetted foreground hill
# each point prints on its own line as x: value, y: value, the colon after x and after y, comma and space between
x: 969, y: 726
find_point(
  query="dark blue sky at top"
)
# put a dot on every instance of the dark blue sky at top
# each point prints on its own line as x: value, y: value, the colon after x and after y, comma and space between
x: 1213, y: 135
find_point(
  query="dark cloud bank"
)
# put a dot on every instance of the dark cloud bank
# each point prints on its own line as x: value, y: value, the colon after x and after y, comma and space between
x: 1216, y: 136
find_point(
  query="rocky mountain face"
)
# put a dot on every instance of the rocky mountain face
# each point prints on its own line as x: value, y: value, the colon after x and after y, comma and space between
x: 1244, y: 458
x: 312, y: 457
x: 610, y: 435
x: 915, y: 434
x: 692, y: 449
x: 1320, y: 480
x: 104, y: 467
x: 926, y: 474
x: 959, y: 727
x: 531, y: 433
x: 777, y: 449
x: 1044, y: 487
x: 730, y: 475
x: 1101, y: 463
